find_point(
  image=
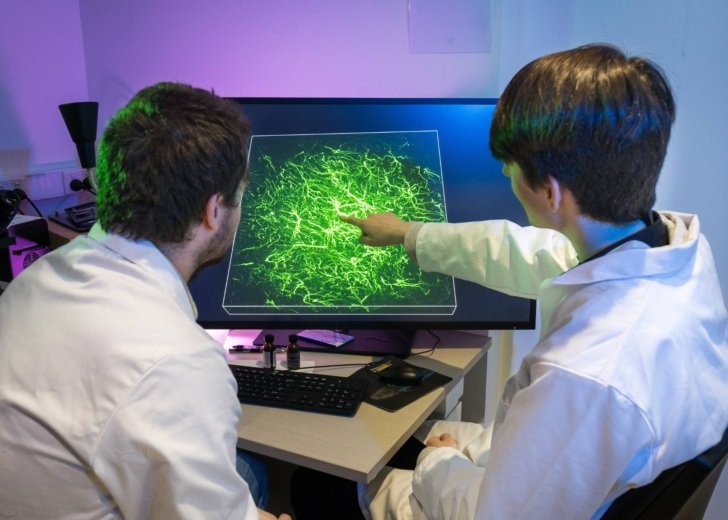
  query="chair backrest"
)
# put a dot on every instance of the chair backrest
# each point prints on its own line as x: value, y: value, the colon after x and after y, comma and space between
x: 681, y: 492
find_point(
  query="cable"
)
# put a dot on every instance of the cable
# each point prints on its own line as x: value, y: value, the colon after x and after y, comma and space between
x: 332, y: 366
x: 24, y: 196
x: 81, y: 185
x: 424, y: 352
x: 432, y: 348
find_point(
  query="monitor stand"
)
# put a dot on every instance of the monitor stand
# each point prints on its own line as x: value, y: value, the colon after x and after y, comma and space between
x: 378, y: 342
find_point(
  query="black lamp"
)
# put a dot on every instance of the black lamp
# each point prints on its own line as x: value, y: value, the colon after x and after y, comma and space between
x: 81, y: 119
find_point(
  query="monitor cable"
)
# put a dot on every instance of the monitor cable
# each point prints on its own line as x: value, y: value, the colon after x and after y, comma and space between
x: 430, y: 350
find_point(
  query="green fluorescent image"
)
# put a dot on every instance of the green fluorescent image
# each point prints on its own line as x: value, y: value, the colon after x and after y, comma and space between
x: 292, y: 254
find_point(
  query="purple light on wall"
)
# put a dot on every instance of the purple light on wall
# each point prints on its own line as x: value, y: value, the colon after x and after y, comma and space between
x: 327, y: 48
x: 43, y: 65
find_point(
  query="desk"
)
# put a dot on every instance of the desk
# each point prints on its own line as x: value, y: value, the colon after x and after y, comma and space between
x: 59, y: 235
x: 356, y: 448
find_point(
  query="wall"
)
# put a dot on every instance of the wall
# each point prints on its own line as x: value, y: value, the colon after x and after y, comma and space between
x: 41, y: 66
x: 300, y: 48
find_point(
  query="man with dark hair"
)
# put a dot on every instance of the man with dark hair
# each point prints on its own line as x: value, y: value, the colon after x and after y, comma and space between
x: 113, y: 401
x: 630, y: 372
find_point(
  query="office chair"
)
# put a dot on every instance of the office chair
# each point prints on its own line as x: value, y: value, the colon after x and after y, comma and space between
x: 681, y: 492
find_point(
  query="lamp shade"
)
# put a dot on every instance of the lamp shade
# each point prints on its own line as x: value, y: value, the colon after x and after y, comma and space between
x: 81, y: 119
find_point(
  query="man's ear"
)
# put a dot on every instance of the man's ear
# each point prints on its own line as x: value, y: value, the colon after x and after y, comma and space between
x: 554, y: 194
x: 212, y: 211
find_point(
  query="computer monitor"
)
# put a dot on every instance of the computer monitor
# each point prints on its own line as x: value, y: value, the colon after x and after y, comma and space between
x: 295, y: 265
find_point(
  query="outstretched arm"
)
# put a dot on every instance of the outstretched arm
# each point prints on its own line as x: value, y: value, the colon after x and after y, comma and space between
x: 379, y: 229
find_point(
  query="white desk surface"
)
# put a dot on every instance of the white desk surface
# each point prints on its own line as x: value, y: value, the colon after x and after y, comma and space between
x: 356, y: 448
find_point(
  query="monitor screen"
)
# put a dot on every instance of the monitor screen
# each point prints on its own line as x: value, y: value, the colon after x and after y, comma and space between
x: 295, y: 265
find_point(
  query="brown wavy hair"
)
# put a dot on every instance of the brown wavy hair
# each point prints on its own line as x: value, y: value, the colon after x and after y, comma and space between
x: 163, y: 155
x: 594, y: 119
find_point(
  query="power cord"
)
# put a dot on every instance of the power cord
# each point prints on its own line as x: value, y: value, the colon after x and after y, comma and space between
x: 430, y: 350
x: 24, y: 196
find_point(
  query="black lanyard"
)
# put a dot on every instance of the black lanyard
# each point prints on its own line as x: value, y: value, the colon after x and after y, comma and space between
x: 654, y: 234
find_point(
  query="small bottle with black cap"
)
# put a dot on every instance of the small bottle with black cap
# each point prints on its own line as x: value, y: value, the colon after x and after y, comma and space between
x: 269, y: 352
x: 293, y: 353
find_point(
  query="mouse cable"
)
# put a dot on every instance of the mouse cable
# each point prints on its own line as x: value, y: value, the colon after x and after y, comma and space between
x: 24, y: 196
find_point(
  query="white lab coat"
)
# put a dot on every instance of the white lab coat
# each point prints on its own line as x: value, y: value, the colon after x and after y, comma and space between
x: 629, y: 377
x: 113, y: 401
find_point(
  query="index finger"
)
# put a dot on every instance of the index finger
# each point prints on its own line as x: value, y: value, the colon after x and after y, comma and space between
x: 350, y: 219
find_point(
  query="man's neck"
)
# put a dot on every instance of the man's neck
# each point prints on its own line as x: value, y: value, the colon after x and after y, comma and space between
x: 591, y: 236
x: 180, y: 258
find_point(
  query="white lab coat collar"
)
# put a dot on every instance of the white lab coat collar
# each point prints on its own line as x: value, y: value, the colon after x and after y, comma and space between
x: 147, y: 256
x: 634, y: 258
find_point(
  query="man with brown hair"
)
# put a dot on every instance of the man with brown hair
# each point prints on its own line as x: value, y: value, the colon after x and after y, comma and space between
x: 630, y: 372
x: 113, y: 401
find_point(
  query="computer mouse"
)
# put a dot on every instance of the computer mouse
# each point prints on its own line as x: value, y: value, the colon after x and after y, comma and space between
x: 401, y: 375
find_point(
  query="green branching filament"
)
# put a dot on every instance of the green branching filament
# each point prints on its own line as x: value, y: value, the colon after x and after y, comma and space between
x: 292, y: 254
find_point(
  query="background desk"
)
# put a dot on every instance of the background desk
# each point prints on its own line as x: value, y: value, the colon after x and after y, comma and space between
x: 59, y: 235
x: 356, y: 448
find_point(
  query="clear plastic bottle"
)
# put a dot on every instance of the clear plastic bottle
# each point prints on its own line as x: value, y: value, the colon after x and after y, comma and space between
x: 293, y: 353
x: 269, y: 352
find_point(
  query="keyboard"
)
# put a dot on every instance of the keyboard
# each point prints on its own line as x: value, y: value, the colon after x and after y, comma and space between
x: 320, y: 393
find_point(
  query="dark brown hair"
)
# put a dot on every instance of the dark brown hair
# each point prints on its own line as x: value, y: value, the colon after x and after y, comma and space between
x: 595, y: 120
x: 163, y: 155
